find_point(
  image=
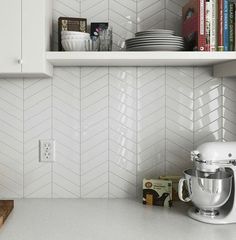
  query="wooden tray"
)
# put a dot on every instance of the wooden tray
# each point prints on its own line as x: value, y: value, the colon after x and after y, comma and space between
x: 6, y: 207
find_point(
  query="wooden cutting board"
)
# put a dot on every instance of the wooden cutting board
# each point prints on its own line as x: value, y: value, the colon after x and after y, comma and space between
x: 6, y: 207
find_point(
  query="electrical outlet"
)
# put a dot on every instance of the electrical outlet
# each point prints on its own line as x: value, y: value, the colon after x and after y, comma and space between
x: 47, y: 150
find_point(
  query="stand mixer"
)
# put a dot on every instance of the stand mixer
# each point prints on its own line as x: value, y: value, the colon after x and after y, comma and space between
x: 211, y: 183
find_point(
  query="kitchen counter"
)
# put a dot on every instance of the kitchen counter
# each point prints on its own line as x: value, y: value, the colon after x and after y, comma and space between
x: 98, y: 219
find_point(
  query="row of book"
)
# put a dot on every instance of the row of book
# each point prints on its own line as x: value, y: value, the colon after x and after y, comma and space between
x: 209, y: 25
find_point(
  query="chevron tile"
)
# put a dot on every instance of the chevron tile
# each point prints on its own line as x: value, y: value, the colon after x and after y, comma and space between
x: 179, y: 118
x: 66, y: 131
x: 173, y: 15
x: 122, y: 133
x: 229, y: 109
x: 150, y: 14
x: 122, y: 17
x: 95, y: 10
x: 11, y: 135
x: 94, y: 138
x: 207, y: 106
x: 151, y: 124
x: 37, y: 125
x: 63, y: 8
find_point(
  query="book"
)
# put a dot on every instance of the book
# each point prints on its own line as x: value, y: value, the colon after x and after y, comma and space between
x: 208, y: 25
x: 231, y: 26
x: 235, y: 28
x: 220, y: 25
x: 226, y: 25
x: 194, y: 25
x: 213, y: 33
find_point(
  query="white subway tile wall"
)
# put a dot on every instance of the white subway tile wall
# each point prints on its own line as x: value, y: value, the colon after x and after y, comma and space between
x: 113, y: 126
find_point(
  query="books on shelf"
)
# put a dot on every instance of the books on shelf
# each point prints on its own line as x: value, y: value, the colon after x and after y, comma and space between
x: 209, y: 25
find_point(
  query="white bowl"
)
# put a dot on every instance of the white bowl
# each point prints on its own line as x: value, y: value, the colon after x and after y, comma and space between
x: 74, y: 37
x: 69, y: 33
x: 73, y: 45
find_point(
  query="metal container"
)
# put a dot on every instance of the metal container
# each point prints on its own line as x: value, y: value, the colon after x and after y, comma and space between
x: 208, y: 191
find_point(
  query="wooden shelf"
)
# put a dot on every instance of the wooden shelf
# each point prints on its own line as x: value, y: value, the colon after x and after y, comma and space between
x: 221, y: 61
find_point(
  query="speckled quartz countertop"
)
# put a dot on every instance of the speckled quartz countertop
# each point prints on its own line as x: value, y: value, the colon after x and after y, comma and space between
x: 106, y: 220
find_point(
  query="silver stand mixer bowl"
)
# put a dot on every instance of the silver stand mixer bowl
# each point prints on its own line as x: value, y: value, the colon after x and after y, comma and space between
x: 208, y: 191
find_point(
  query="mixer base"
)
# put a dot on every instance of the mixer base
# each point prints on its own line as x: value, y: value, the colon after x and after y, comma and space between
x: 212, y: 217
x: 207, y: 213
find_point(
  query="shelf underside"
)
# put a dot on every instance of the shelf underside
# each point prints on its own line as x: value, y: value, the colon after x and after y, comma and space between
x: 223, y: 62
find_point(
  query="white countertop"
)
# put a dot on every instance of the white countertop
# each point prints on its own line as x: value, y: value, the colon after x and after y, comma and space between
x: 89, y: 219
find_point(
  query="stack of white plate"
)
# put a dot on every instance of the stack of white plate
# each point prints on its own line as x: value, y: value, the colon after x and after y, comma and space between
x: 74, y: 41
x: 155, y: 40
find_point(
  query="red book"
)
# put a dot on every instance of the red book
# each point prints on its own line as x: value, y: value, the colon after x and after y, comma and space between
x: 220, y: 25
x: 194, y: 17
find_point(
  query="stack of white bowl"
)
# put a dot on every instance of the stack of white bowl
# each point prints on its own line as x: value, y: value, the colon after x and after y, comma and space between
x: 74, y: 41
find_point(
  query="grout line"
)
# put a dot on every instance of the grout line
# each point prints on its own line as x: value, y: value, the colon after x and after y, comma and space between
x: 80, y: 142
x: 137, y: 132
x: 165, y: 125
x: 23, y: 137
x: 80, y: 8
x: 108, y: 6
x: 52, y: 134
x: 109, y: 112
x: 109, y: 132
x: 136, y: 21
x: 21, y: 34
x: 194, y: 102
x: 222, y: 111
x: 165, y: 15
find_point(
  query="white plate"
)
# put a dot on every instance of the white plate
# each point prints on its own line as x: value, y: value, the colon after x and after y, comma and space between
x: 155, y: 41
x: 154, y: 38
x: 154, y: 45
x: 156, y: 48
x: 154, y: 35
x: 161, y: 31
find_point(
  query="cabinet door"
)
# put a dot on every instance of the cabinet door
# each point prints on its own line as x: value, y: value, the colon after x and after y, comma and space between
x: 10, y: 41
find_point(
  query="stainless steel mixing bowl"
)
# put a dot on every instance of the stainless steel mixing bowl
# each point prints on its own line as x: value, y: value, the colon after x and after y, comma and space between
x: 208, y: 191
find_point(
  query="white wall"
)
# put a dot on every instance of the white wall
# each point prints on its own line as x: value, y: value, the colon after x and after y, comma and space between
x: 113, y: 126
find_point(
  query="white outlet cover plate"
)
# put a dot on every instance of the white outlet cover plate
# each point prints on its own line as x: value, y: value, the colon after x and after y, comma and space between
x: 47, y: 150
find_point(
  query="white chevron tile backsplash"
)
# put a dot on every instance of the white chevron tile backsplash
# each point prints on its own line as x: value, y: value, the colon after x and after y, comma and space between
x: 229, y: 109
x: 94, y: 135
x: 150, y: 14
x: 207, y: 106
x: 122, y: 18
x: 179, y: 118
x: 113, y: 126
x: 11, y: 138
x: 122, y: 132
x: 66, y: 131
x: 37, y: 125
x: 151, y: 123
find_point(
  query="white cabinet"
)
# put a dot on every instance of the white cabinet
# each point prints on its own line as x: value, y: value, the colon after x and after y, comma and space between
x: 25, y: 37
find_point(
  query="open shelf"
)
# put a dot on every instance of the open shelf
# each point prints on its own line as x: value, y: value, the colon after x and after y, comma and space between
x: 224, y: 62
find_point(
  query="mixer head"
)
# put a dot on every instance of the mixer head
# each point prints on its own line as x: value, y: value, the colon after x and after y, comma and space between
x: 211, y: 156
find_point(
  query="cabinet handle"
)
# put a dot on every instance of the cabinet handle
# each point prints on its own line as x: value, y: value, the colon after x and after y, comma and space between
x: 20, y: 61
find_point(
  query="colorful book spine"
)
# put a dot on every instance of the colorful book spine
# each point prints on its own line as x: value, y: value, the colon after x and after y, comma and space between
x: 194, y: 32
x: 213, y: 31
x: 231, y: 26
x: 208, y: 25
x: 235, y: 28
x: 202, y: 31
x: 220, y: 25
x: 226, y: 25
